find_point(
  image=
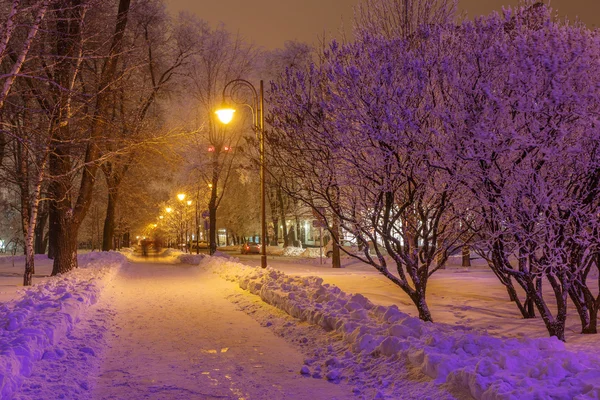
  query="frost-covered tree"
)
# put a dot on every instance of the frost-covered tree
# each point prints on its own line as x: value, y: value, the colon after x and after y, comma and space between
x: 360, y: 133
x: 524, y: 103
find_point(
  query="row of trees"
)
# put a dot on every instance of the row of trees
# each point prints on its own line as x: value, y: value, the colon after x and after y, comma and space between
x: 422, y: 136
x: 85, y: 97
x: 101, y: 105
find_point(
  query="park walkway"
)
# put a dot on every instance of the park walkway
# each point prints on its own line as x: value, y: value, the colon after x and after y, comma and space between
x: 176, y: 336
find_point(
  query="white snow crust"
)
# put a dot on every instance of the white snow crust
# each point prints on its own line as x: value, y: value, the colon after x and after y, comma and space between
x: 485, y: 366
x: 43, y: 314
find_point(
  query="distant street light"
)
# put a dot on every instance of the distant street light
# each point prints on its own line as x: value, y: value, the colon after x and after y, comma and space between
x: 225, y: 115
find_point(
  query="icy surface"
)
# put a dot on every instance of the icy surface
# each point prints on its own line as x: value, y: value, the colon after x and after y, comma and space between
x: 488, y: 367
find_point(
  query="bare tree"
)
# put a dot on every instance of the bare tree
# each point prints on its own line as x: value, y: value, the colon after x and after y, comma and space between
x: 221, y: 58
x: 157, y: 50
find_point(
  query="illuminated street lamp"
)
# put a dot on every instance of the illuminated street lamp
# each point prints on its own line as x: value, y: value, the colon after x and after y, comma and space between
x: 181, y: 196
x: 225, y: 115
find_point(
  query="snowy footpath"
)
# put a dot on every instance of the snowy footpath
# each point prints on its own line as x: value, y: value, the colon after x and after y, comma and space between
x: 176, y: 336
x: 194, y: 327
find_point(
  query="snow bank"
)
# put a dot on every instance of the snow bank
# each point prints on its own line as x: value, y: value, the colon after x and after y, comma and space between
x: 489, y: 368
x: 292, y: 251
x: 172, y: 253
x: 192, y: 259
x: 31, y: 324
x: 309, y: 252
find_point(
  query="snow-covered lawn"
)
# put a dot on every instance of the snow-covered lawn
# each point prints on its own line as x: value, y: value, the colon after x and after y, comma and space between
x: 479, y: 345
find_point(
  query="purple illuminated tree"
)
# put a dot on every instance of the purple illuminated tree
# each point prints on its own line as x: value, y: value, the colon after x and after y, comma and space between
x: 524, y: 99
x: 360, y: 134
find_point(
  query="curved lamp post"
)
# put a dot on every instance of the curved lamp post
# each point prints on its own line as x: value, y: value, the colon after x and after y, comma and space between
x: 225, y: 115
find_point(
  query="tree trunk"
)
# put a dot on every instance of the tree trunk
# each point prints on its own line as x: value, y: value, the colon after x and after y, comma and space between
x: 418, y: 298
x: 212, y: 218
x: 66, y: 218
x: 26, y: 218
x: 65, y: 259
x: 275, y: 220
x: 298, y: 230
x: 336, y: 261
x: 40, y: 238
x: 281, y: 207
x: 52, y: 229
x: 587, y: 308
x: 554, y: 326
x: 466, y: 256
x: 592, y: 327
x: 109, y: 222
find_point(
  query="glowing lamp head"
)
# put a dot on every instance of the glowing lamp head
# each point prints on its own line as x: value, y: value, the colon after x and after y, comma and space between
x: 225, y: 115
x: 181, y: 196
x: 168, y: 209
x: 189, y: 202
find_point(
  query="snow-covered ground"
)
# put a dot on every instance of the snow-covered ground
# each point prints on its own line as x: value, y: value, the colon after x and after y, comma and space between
x: 354, y: 328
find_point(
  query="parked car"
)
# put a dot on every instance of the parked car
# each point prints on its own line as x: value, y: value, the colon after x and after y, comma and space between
x: 250, y: 247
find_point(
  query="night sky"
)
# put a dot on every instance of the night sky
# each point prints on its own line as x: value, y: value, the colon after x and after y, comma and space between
x: 270, y: 23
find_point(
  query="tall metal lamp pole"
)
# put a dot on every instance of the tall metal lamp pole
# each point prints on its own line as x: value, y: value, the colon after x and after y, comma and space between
x: 226, y: 115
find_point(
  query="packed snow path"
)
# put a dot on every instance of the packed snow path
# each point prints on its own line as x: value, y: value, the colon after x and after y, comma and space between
x: 176, y: 336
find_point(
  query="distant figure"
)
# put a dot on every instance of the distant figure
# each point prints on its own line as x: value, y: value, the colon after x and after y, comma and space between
x: 144, y: 248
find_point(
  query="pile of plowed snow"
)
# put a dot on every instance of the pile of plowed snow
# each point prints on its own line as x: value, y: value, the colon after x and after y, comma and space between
x: 45, y: 313
x: 488, y: 367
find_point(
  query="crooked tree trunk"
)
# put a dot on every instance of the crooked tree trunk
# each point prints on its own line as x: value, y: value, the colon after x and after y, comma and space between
x: 526, y: 307
x: 587, y: 308
x: 420, y: 302
x: 554, y: 325
x: 416, y: 294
